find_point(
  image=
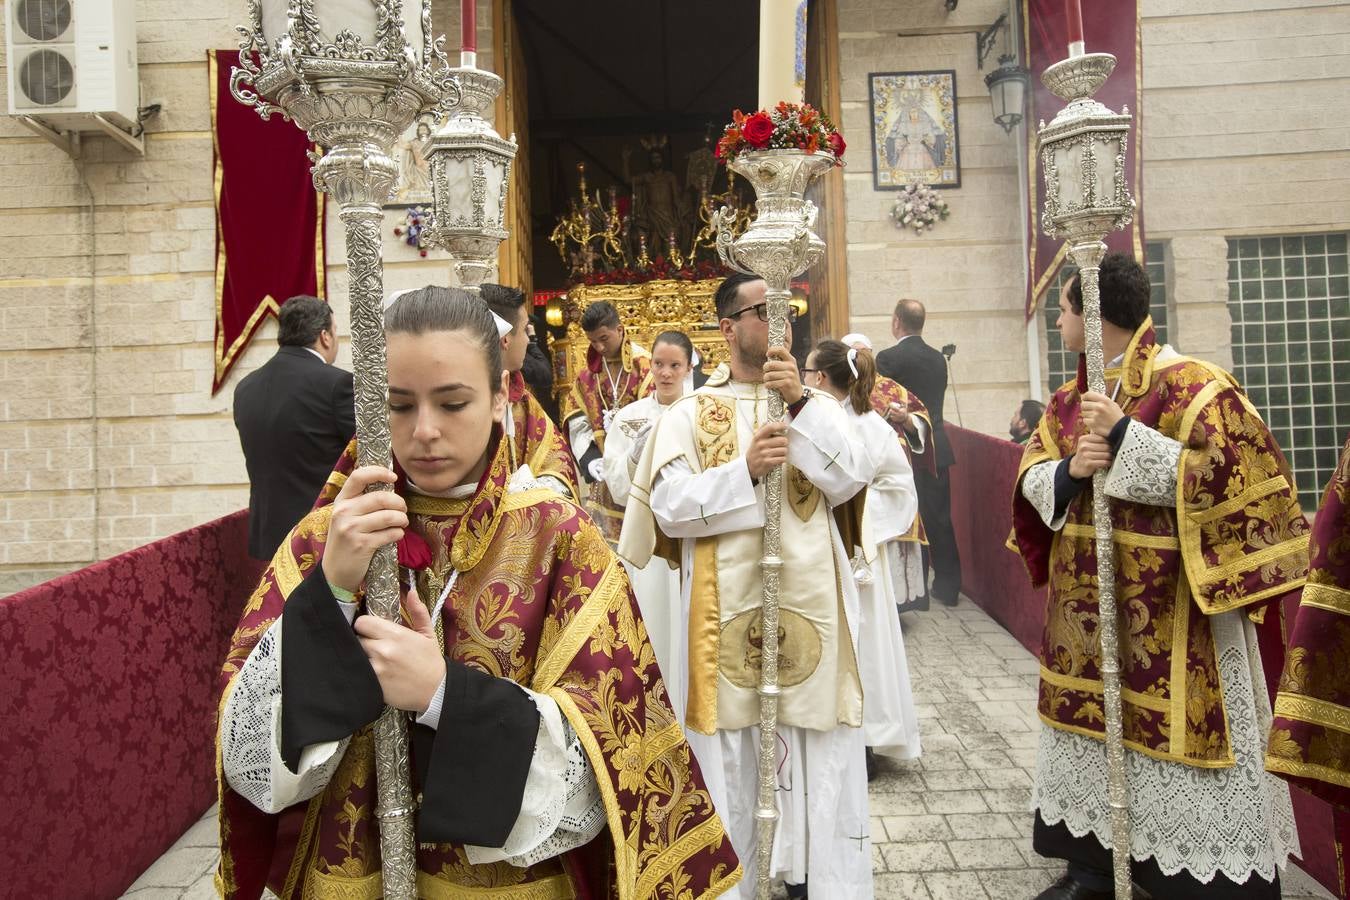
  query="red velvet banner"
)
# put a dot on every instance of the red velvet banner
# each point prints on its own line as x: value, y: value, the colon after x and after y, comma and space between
x: 269, y: 218
x: 1109, y: 26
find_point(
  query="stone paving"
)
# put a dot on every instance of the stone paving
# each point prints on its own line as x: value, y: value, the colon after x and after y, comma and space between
x: 952, y: 825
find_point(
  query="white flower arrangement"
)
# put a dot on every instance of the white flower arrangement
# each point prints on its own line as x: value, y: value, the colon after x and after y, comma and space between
x: 919, y: 207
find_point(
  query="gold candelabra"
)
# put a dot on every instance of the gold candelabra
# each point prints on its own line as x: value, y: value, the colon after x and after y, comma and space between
x: 590, y: 230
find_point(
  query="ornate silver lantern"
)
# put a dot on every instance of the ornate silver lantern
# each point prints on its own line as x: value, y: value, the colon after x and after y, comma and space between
x: 1086, y: 196
x: 470, y: 175
x: 354, y: 76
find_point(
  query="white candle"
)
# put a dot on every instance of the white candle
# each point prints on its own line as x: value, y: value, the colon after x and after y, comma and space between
x: 778, y: 52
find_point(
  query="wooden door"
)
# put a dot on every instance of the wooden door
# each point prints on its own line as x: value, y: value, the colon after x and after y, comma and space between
x: 514, y: 258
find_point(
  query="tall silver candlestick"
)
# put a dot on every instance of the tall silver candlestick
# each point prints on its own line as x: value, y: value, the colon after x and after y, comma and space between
x: 1086, y: 196
x: 354, y: 85
x: 777, y: 246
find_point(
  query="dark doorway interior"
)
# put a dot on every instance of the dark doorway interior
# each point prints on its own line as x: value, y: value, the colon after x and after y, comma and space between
x: 605, y: 75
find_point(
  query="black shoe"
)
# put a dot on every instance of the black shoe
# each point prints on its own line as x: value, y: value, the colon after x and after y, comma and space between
x: 1069, y: 889
x: 918, y: 604
x: 796, y: 891
x: 949, y: 601
x: 871, y: 765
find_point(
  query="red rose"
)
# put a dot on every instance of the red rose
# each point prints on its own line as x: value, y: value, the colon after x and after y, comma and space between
x: 757, y: 130
x: 413, y: 551
x: 837, y: 145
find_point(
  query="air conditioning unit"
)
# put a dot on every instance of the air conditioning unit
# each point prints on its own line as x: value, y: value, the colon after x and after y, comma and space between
x: 72, y: 64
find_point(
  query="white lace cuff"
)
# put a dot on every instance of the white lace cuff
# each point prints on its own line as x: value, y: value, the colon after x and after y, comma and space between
x: 250, y: 736
x: 1145, y: 467
x: 1038, y: 487
x: 561, y: 808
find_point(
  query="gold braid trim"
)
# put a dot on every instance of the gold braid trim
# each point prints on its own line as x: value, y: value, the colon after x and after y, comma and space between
x: 610, y: 587
x: 625, y: 856
x: 1124, y: 538
x: 1326, y: 596
x: 1307, y: 770
x: 1089, y: 686
x: 709, y: 834
x: 323, y: 886
x: 1313, y: 711
x: 1166, y: 756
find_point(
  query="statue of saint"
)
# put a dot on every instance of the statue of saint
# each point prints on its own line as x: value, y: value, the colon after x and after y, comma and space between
x: 658, y: 201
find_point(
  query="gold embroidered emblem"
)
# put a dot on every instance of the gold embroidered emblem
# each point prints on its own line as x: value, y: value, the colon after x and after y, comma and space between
x: 716, y: 432
x: 742, y: 646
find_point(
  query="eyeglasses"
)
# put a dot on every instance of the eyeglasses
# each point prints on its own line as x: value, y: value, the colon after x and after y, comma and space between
x: 807, y: 371
x: 761, y: 311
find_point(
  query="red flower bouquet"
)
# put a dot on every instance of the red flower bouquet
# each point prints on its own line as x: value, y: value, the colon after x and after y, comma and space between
x: 788, y: 126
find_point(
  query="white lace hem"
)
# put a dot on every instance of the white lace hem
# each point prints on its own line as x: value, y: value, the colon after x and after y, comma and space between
x: 1236, y: 821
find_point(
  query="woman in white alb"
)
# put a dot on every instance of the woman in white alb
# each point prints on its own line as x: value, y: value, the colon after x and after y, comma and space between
x: 656, y: 585
x: 890, y: 723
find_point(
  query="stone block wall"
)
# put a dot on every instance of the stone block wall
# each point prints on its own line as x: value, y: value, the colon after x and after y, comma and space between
x: 1244, y: 133
x: 109, y: 434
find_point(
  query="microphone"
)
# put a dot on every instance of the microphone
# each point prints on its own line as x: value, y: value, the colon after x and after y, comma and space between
x: 949, y: 350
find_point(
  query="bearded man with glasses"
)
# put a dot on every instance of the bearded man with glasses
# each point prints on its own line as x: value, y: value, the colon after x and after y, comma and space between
x: 697, y: 499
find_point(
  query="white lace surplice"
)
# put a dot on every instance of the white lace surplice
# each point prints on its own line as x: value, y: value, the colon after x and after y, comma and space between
x: 1236, y: 821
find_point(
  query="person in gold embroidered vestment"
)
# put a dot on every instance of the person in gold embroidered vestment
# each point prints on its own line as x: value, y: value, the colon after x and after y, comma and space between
x: 535, y: 440
x: 1310, y: 737
x: 1209, y: 538
x: 696, y: 498
x: 617, y: 373
x: 546, y: 759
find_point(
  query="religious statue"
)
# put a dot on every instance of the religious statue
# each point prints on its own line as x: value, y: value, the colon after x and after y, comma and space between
x: 658, y: 201
x: 700, y: 170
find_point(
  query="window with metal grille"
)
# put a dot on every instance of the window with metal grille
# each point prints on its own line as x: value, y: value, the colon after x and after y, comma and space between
x: 1290, y: 305
x: 1063, y: 365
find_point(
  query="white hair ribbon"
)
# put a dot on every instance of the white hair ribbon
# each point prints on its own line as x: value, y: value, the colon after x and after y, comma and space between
x: 503, y: 327
x: 856, y: 338
x: 695, y: 361
x: 852, y: 355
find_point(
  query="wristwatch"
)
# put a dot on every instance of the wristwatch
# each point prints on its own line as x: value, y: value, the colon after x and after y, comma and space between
x: 796, y: 408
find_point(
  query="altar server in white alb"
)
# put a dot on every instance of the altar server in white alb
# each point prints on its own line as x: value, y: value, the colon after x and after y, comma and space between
x: 699, y: 482
x: 890, y: 723
x: 657, y: 585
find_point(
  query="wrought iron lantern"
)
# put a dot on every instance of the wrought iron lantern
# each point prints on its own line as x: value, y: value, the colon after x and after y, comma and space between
x: 1008, y: 90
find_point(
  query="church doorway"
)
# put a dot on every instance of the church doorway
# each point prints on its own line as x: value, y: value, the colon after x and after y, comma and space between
x: 629, y: 99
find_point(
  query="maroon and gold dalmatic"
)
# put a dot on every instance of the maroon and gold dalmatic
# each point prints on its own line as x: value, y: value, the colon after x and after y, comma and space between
x: 591, y: 395
x: 886, y: 392
x: 539, y: 599
x: 1310, y: 737
x: 1234, y: 539
x: 536, y: 441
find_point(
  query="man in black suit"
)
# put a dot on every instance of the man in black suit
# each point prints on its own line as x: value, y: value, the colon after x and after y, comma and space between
x: 923, y: 370
x: 295, y: 416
